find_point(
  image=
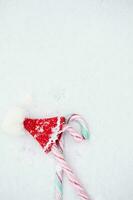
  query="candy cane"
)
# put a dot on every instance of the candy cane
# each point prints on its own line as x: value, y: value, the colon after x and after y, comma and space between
x: 59, y: 156
x: 59, y: 176
x: 71, y: 176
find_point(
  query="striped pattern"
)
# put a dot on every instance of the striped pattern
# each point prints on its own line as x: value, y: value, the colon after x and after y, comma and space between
x: 64, y: 167
x: 70, y: 175
x: 83, y: 124
x: 59, y: 176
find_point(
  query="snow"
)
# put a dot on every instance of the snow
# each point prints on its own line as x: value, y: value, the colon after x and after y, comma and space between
x: 72, y: 57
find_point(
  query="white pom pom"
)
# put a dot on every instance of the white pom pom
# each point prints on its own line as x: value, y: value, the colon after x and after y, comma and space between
x: 13, y: 122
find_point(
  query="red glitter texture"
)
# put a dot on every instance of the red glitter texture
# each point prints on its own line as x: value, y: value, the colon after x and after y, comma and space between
x: 42, y: 130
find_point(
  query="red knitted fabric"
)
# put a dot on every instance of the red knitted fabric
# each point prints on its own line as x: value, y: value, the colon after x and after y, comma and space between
x: 46, y: 131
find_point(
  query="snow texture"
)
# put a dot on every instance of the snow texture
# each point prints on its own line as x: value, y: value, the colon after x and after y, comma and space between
x: 72, y: 57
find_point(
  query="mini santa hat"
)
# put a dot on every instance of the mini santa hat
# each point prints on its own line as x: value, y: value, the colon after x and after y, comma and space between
x: 47, y: 131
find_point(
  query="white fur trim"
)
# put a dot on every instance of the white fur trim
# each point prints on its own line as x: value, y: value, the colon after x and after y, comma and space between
x: 13, y: 122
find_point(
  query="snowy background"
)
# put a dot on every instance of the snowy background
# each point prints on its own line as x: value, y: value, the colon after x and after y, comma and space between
x: 71, y: 56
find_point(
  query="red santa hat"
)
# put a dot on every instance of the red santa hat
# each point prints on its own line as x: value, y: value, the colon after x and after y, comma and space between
x: 46, y: 131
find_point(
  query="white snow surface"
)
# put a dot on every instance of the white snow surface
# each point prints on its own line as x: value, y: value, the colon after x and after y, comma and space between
x: 71, y: 57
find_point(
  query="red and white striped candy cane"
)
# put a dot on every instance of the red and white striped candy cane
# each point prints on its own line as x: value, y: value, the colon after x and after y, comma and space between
x: 67, y: 170
x: 59, y: 175
x: 71, y: 176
